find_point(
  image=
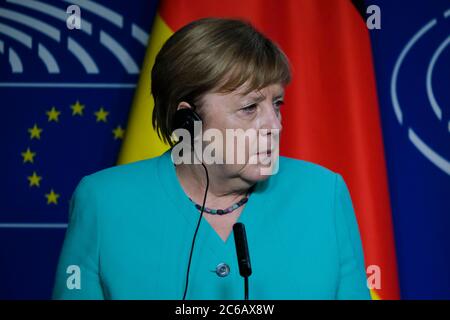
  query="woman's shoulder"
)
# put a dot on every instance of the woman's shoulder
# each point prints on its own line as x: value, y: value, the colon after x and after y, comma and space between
x: 302, y: 178
x: 124, y: 176
x: 291, y: 168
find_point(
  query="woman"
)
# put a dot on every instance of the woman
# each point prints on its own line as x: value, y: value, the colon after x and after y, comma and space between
x: 131, y: 227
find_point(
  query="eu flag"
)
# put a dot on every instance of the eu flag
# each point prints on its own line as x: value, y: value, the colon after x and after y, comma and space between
x: 68, y: 72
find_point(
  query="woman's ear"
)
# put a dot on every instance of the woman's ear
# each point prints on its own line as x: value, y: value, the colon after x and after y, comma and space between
x: 183, y: 105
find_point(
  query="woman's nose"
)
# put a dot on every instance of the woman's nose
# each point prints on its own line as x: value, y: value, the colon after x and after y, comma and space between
x: 271, y: 118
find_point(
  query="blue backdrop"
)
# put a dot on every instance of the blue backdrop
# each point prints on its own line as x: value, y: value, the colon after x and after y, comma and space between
x: 412, y: 62
x: 65, y: 97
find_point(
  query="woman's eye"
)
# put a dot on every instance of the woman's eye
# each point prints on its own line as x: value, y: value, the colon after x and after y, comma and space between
x: 249, y: 109
x: 279, y: 103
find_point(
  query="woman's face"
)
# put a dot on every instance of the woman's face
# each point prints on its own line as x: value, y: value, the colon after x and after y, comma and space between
x: 258, y: 116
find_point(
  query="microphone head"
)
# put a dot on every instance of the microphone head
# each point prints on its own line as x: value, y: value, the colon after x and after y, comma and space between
x: 242, y: 252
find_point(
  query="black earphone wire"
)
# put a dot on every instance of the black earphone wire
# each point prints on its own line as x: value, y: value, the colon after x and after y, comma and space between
x: 245, y: 288
x: 196, y: 230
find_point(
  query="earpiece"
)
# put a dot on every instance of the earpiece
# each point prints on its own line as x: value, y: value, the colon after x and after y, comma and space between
x: 185, y: 119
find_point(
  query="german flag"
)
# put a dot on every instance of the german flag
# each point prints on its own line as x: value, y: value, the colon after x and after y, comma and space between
x: 331, y: 115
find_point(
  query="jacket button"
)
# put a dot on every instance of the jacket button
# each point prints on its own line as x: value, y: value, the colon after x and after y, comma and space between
x: 222, y: 269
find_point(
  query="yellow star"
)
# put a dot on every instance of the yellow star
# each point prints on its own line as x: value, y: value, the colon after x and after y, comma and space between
x: 77, y: 108
x: 28, y: 156
x: 35, y: 132
x: 34, y: 179
x: 118, y: 133
x: 52, y: 197
x: 53, y: 114
x: 101, y: 114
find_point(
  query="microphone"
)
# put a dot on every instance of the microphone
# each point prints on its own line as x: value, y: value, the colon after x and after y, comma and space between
x: 243, y: 256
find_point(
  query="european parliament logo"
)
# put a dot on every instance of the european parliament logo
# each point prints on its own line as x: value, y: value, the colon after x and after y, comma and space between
x: 419, y: 90
x: 68, y: 72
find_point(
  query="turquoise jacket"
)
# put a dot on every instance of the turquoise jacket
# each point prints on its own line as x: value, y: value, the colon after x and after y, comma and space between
x: 131, y: 227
